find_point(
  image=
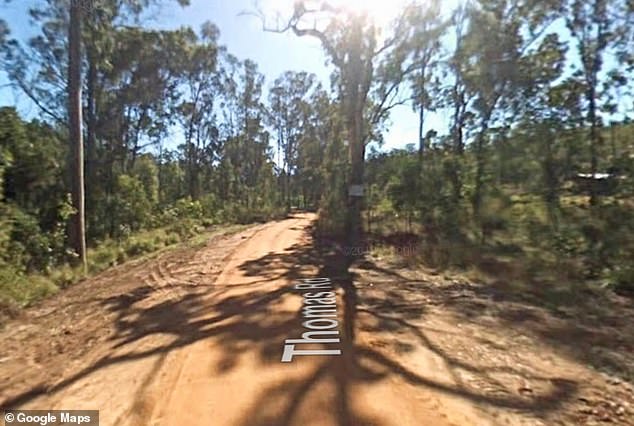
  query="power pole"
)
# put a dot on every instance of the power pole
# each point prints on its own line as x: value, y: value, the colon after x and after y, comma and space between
x: 77, y: 229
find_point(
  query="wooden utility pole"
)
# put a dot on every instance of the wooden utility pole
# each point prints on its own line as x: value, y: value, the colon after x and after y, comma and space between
x: 77, y: 229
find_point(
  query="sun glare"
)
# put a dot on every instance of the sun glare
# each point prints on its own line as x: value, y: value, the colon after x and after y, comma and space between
x: 382, y: 12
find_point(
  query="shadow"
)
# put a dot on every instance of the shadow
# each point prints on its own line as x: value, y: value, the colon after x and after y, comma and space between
x: 580, y: 322
x: 242, y: 320
x: 394, y: 311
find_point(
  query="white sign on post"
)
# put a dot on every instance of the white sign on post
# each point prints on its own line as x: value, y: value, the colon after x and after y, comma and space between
x: 355, y: 190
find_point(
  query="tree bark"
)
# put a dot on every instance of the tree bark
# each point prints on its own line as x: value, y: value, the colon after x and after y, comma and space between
x: 77, y: 229
x: 356, y: 93
x: 594, y: 141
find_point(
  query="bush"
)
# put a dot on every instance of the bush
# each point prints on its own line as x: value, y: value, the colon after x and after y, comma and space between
x: 139, y: 246
x: 131, y: 206
x: 29, y: 246
x: 19, y: 289
x: 622, y: 277
x: 188, y: 209
x: 568, y: 241
x: 211, y: 208
x: 66, y: 275
x: 495, y: 210
x: 186, y: 228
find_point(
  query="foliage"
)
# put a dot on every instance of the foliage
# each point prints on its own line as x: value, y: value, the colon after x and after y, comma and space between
x: 527, y: 88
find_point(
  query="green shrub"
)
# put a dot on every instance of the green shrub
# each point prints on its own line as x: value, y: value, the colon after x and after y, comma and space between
x: 186, y: 208
x: 131, y: 207
x: 567, y: 241
x: 185, y: 228
x: 64, y: 276
x: 19, y: 289
x: 622, y: 278
x: 103, y: 256
x: 211, y: 208
x: 29, y: 247
x: 139, y: 246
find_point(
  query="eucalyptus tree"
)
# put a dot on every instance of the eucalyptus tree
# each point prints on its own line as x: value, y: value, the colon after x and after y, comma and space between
x: 353, y: 44
x: 289, y: 110
x: 48, y: 71
x: 499, y: 36
x: 427, y: 29
x: 320, y: 129
x: 245, y: 141
x: 601, y: 30
x: 545, y: 103
x: 253, y: 139
x: 77, y: 229
x: 197, y: 105
x: 457, y: 98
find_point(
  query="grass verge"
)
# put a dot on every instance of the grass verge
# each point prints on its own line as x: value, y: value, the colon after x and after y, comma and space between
x: 19, y: 289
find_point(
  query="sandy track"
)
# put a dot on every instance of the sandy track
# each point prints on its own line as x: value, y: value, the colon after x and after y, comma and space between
x: 195, y: 337
x: 236, y: 377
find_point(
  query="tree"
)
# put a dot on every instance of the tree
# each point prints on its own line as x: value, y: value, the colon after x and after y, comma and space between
x: 544, y: 108
x: 351, y: 41
x: 425, y: 41
x: 500, y: 35
x: 288, y: 100
x: 598, y: 28
x: 198, y: 102
x: 77, y: 229
x: 458, y: 98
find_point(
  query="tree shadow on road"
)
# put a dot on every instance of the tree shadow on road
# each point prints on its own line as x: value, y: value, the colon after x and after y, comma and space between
x: 393, y: 312
x: 243, y: 322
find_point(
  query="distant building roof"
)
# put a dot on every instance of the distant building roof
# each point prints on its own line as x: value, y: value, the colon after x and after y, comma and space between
x: 597, y: 176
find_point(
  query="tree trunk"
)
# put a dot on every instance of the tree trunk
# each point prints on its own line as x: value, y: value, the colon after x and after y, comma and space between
x: 594, y: 140
x: 421, y: 117
x: 421, y: 136
x: 91, y: 134
x: 356, y: 93
x: 458, y: 145
x: 480, y: 163
x: 77, y: 230
x: 477, y: 194
x: 552, y: 190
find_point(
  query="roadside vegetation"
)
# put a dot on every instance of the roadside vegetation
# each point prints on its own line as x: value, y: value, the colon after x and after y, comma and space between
x: 529, y: 186
x: 135, y: 213
x: 142, y: 193
x: 562, y: 256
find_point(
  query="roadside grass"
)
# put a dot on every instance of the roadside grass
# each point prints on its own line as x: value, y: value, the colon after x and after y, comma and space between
x: 526, y: 259
x: 19, y: 289
x: 528, y: 265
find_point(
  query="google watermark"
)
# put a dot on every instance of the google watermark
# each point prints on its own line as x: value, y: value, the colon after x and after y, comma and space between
x: 51, y: 417
x: 404, y: 251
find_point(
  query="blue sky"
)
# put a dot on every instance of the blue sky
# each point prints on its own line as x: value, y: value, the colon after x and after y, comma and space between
x: 243, y: 35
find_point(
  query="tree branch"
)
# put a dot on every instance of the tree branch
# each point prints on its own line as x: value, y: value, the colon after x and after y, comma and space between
x: 293, y: 25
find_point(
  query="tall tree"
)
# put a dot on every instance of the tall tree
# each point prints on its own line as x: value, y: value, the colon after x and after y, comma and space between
x: 351, y: 40
x: 77, y: 229
x: 500, y: 35
x: 598, y: 27
x: 288, y: 100
x: 197, y: 106
x: 427, y: 30
x: 458, y: 98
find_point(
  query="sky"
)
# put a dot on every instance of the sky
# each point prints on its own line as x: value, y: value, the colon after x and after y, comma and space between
x: 244, y: 37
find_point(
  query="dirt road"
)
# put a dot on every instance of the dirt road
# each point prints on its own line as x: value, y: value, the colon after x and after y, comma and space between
x: 236, y: 377
x: 196, y: 338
